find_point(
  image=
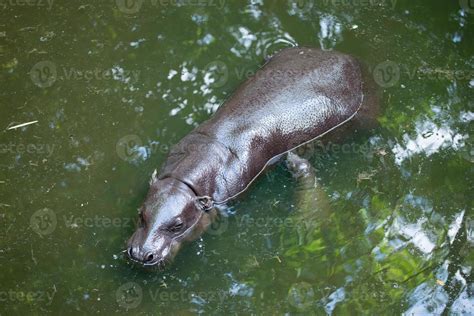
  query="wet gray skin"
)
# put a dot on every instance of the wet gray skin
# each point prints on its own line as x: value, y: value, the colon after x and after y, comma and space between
x: 299, y: 95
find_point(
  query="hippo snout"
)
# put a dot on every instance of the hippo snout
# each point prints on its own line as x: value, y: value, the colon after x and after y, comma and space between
x: 142, y: 256
x: 150, y: 249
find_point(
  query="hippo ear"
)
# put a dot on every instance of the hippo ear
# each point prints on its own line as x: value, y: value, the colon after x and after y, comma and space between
x: 154, y: 177
x: 205, y: 203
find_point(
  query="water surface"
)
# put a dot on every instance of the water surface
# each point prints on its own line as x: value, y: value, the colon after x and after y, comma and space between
x: 113, y: 85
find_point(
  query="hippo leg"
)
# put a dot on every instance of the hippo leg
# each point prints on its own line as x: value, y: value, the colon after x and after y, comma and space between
x: 312, y: 204
x: 301, y: 170
x: 310, y: 194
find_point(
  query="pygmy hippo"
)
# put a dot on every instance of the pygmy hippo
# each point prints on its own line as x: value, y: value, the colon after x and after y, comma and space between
x: 300, y: 94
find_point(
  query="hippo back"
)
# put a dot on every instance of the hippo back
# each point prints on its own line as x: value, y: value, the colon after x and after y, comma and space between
x: 299, y: 95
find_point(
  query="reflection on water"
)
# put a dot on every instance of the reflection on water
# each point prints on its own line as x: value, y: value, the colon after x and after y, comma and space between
x: 330, y: 33
x: 113, y: 87
x: 245, y: 38
x: 429, y: 140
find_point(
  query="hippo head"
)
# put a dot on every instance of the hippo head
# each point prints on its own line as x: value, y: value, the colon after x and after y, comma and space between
x: 171, y: 215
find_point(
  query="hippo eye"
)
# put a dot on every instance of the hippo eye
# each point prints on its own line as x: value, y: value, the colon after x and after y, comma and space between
x: 176, y: 227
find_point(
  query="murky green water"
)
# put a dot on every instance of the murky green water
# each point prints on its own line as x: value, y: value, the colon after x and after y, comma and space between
x: 113, y: 85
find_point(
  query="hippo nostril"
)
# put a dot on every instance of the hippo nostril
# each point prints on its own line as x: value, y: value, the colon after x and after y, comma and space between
x: 130, y: 253
x: 149, y: 257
